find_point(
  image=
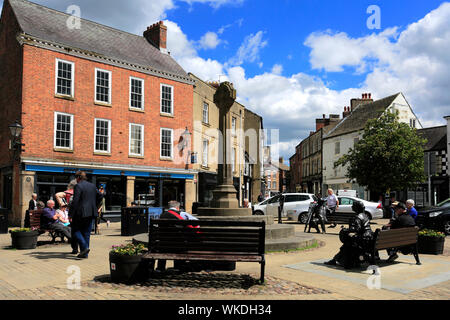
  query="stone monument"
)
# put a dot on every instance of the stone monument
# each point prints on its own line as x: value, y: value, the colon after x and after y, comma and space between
x: 225, y: 202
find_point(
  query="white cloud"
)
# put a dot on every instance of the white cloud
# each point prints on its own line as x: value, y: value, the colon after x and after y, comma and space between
x: 184, y: 52
x: 249, y: 49
x: 348, y: 51
x: 215, y: 3
x: 209, y: 40
x: 414, y: 61
x: 277, y: 69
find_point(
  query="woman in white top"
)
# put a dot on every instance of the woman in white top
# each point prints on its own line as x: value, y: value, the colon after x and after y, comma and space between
x: 63, y: 215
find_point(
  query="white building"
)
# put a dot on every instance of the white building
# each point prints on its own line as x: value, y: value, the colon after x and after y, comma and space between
x: 350, y: 130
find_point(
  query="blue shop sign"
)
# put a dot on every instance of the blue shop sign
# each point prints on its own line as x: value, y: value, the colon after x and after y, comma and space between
x: 103, y: 172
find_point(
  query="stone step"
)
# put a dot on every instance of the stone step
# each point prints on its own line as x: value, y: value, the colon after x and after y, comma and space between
x: 292, y: 243
x: 296, y: 241
x: 279, y: 231
x: 268, y: 219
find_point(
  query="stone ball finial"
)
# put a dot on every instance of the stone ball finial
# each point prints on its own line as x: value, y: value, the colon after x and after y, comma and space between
x: 225, y: 95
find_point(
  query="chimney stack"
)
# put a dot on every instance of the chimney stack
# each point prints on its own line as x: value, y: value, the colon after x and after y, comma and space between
x: 346, y: 112
x: 156, y: 34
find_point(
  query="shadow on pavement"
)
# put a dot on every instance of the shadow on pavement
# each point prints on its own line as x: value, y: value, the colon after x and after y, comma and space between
x: 53, y: 255
x: 193, y: 280
x: 362, y: 269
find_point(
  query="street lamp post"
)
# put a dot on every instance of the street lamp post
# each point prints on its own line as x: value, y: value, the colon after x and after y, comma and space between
x: 16, y: 132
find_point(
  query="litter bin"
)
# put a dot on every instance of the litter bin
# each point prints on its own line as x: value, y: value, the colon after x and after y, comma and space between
x: 134, y: 220
x: 4, y: 220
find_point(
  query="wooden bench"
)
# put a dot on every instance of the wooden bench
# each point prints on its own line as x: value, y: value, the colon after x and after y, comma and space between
x: 341, y: 217
x: 396, y: 238
x: 35, y: 223
x: 213, y: 240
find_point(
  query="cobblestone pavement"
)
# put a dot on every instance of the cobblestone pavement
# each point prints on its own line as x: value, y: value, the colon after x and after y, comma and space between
x: 42, y: 274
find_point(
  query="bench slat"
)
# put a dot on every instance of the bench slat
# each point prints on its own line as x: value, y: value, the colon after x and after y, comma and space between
x: 218, y: 256
x: 203, y: 247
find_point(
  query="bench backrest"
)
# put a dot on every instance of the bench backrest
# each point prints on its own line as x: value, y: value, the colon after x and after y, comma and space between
x: 212, y: 236
x: 393, y: 238
x: 344, y: 217
x: 35, y: 219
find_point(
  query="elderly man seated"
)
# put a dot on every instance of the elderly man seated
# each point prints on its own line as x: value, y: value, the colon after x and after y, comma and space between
x: 52, y: 221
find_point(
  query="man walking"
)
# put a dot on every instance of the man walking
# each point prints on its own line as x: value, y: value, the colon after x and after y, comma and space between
x: 83, y: 211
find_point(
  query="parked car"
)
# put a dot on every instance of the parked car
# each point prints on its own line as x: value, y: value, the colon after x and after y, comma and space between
x: 373, y: 209
x: 298, y: 202
x: 436, y: 218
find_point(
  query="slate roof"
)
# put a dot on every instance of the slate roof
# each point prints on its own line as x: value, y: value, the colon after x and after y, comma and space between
x: 51, y: 25
x: 436, y: 138
x: 360, y: 115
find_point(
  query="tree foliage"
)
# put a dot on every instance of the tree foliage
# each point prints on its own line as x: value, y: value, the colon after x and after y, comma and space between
x: 389, y: 156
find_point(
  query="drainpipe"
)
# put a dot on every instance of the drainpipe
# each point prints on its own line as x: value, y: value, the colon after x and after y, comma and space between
x: 429, y: 180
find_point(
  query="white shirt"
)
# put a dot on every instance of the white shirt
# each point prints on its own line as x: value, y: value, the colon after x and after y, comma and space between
x: 187, y: 216
x: 332, y: 200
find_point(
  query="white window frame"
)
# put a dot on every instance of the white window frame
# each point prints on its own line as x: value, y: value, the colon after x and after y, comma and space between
x: 205, y: 111
x: 110, y: 86
x: 72, y: 93
x: 233, y: 125
x: 143, y: 94
x: 205, y: 153
x: 172, y: 100
x: 55, y: 125
x: 160, y: 144
x: 95, y: 135
x: 142, y: 139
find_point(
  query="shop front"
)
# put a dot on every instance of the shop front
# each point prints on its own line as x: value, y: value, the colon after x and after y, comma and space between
x: 123, y: 188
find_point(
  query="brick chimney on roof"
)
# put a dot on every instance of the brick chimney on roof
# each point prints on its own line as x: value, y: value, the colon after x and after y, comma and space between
x: 365, y: 99
x: 346, y: 112
x: 156, y: 34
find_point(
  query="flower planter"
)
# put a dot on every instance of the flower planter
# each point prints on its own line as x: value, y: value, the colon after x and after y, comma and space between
x: 431, y: 245
x: 24, y: 240
x: 127, y: 269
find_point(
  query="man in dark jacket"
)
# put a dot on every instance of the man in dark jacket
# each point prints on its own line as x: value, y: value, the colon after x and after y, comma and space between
x: 401, y: 220
x: 83, y: 210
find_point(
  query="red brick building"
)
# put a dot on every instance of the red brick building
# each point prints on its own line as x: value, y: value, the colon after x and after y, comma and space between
x: 93, y: 98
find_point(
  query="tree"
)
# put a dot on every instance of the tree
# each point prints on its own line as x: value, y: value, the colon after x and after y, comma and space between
x: 389, y: 156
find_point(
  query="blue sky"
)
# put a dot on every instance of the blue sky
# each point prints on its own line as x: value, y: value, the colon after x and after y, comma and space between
x: 293, y: 60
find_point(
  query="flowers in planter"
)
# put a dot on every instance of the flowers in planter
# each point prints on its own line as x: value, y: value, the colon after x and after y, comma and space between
x: 23, y: 230
x: 431, y: 233
x: 128, y: 249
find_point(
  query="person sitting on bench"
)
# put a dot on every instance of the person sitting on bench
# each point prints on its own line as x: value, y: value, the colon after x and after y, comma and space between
x: 174, y: 212
x: 401, y: 220
x: 51, y: 220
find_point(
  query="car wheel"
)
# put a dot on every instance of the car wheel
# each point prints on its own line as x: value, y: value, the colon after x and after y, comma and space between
x: 369, y: 215
x: 303, y: 217
x: 259, y: 213
x: 447, y: 227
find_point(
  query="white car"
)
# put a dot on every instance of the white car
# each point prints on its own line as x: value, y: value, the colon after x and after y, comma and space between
x: 298, y: 202
x: 373, y: 209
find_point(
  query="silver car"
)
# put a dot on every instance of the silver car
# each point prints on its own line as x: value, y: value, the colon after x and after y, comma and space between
x: 373, y: 209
